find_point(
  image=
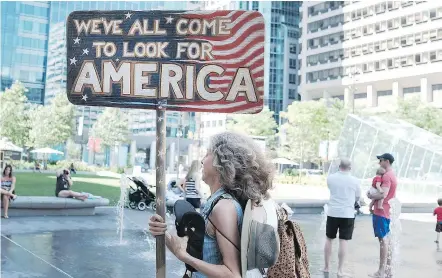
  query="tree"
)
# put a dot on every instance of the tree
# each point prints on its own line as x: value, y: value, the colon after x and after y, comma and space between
x: 112, y: 126
x: 309, y: 123
x: 261, y: 124
x: 421, y: 115
x: 14, y: 114
x: 52, y: 124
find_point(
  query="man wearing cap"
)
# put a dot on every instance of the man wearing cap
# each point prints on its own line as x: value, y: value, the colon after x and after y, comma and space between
x: 344, y: 192
x: 381, y: 217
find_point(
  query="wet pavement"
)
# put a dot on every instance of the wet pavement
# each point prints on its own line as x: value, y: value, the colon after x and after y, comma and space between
x: 57, y: 247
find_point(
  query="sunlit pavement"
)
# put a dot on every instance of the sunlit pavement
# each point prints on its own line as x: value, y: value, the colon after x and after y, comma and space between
x: 89, y: 247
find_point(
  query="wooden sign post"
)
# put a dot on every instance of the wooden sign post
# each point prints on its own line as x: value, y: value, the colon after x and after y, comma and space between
x: 200, y: 61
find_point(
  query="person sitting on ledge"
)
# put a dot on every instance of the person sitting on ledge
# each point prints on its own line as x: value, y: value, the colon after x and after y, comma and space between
x: 63, y: 186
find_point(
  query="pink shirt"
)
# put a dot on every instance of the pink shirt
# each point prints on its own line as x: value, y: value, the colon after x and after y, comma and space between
x: 388, y: 181
x: 438, y: 213
x: 376, y: 179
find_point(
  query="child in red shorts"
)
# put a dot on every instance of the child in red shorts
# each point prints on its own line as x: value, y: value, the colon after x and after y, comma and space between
x: 438, y: 212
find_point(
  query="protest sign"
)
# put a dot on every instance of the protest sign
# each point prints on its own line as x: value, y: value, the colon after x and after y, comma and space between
x: 190, y: 61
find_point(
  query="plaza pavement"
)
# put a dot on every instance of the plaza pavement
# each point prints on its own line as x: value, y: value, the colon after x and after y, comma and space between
x: 88, y: 247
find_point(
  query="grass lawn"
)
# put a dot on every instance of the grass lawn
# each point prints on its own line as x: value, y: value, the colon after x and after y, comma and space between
x: 40, y: 184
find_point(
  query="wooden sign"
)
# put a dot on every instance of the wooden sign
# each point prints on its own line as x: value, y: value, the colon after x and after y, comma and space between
x: 202, y: 61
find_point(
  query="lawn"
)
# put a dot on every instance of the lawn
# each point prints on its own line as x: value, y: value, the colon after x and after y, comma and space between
x: 40, y: 184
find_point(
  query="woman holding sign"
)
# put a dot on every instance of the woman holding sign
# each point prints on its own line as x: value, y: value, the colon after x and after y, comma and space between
x: 236, y: 171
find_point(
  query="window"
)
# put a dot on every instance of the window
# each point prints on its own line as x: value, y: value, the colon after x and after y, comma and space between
x: 425, y: 36
x: 406, y: 3
x: 292, y: 78
x: 433, y: 34
x: 390, y: 24
x: 433, y: 56
x: 293, y: 94
x: 390, y: 63
x: 385, y: 93
x: 433, y: 14
x: 411, y: 90
x: 365, y: 67
x: 27, y: 26
x: 418, y: 17
x: 364, y: 12
x: 377, y: 27
x: 417, y: 58
x: 293, y: 48
x: 377, y: 46
x: 380, y: 8
x: 292, y: 63
x: 404, y: 41
x: 418, y: 38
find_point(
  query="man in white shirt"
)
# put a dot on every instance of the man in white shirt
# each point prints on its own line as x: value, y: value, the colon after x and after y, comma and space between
x: 345, y: 190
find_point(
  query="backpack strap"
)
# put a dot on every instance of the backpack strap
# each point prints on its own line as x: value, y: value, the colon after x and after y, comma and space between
x: 208, y: 218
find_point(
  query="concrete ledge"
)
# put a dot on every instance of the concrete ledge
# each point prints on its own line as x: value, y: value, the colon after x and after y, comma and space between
x: 306, y: 206
x: 42, y: 205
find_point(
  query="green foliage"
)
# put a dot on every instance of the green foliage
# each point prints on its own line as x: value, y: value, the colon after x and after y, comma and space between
x: 14, y: 114
x: 112, y: 126
x: 309, y: 123
x: 421, y: 115
x: 262, y: 124
x: 52, y: 124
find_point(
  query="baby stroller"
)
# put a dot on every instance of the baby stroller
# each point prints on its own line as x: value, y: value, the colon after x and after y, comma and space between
x: 141, y: 197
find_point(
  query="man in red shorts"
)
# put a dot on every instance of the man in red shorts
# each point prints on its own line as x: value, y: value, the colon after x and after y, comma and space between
x: 381, y: 217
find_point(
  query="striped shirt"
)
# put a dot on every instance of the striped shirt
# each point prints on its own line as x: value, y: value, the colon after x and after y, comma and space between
x: 6, y: 183
x: 191, y: 191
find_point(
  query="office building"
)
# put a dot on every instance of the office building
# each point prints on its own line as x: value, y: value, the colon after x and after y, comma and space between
x: 371, y: 53
x: 24, y: 39
x: 281, y: 51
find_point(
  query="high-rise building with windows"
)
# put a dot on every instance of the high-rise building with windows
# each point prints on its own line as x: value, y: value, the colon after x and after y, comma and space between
x: 24, y: 39
x: 142, y: 121
x: 372, y: 53
x: 281, y: 51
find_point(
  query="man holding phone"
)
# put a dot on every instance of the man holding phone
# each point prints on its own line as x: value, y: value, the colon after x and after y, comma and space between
x: 63, y: 187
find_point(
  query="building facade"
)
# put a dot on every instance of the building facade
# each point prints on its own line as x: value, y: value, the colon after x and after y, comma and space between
x: 281, y: 51
x: 371, y: 53
x: 24, y: 40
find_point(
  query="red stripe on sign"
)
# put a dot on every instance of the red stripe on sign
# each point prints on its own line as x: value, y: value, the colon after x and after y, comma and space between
x: 243, y: 47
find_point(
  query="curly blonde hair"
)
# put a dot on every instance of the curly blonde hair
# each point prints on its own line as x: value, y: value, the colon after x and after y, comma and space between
x: 244, y: 170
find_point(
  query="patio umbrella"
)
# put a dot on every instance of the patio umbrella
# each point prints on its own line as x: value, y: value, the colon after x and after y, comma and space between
x: 47, y: 151
x: 6, y: 145
x: 283, y: 161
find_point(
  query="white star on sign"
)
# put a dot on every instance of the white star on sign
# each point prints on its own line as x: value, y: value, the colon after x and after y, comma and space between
x: 77, y: 40
x: 160, y: 119
x: 73, y: 61
x: 117, y: 59
x: 128, y: 15
x: 85, y: 51
x: 169, y: 19
x: 84, y: 97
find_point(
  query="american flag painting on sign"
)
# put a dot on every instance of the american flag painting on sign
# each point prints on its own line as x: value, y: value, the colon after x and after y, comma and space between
x: 202, y: 61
